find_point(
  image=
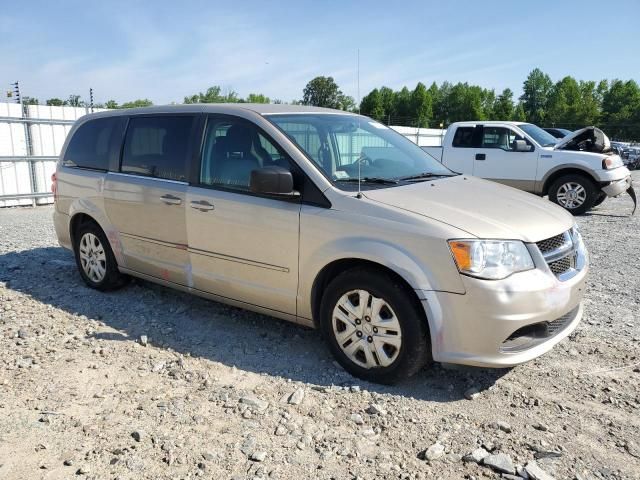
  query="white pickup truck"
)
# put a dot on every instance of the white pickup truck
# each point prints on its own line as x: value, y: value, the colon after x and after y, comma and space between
x: 578, y: 172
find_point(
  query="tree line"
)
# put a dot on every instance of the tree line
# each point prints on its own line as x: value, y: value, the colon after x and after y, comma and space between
x: 569, y: 103
x: 613, y: 105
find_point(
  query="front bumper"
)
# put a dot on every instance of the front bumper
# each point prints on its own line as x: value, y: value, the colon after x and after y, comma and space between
x: 618, y: 187
x: 477, y: 328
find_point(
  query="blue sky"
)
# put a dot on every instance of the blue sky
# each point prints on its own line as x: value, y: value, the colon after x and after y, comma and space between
x: 164, y: 50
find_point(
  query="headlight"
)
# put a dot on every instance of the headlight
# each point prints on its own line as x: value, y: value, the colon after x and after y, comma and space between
x: 490, y: 259
x: 609, y: 163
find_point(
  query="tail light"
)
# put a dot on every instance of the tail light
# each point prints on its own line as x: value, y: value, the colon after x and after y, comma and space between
x: 54, y: 186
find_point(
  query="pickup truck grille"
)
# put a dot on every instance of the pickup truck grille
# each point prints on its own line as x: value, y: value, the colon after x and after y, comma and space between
x: 559, y: 252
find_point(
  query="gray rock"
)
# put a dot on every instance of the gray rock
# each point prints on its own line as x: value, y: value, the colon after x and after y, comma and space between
x: 249, y: 445
x: 504, y: 426
x: 138, y: 435
x: 256, y: 403
x: 476, y: 456
x: 471, y: 394
x: 535, y: 472
x: 434, y: 452
x: 258, y: 456
x: 540, y: 426
x: 501, y: 462
x: 375, y: 409
x: 357, y: 419
x: 296, y: 397
x: 281, y: 430
x: 632, y: 449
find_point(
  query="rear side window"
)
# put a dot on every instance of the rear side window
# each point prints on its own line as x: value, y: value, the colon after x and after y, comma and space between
x: 157, y: 147
x: 90, y: 145
x: 463, y: 137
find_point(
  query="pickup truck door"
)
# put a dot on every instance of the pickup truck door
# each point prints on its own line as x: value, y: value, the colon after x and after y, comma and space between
x: 497, y: 159
x: 459, y: 155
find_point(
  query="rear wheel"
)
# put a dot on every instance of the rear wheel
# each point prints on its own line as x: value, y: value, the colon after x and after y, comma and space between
x: 574, y: 193
x: 95, y: 260
x: 375, y: 328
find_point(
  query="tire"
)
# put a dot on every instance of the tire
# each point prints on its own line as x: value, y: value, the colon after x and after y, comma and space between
x: 584, y: 190
x: 599, y: 199
x: 396, y: 356
x: 95, y: 260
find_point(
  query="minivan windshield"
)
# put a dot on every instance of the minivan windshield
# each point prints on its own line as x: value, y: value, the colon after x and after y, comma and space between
x: 542, y: 138
x: 344, y: 146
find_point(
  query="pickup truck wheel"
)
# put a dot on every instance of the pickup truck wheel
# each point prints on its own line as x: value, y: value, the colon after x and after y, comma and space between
x: 375, y: 328
x: 574, y: 193
x: 599, y: 199
x: 95, y: 260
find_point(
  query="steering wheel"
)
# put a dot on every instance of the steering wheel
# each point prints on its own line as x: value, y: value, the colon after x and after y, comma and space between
x: 363, y: 159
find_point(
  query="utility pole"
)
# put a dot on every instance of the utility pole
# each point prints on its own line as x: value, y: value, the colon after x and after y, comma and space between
x: 24, y: 114
x: 91, y: 99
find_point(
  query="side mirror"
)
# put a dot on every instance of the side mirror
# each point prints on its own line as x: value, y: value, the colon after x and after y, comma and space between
x: 273, y: 180
x: 522, y: 146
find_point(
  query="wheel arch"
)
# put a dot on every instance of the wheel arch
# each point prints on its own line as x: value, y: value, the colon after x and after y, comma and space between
x: 566, y: 171
x: 338, y: 266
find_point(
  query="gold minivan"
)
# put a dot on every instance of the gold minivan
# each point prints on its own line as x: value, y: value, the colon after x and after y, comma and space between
x: 324, y: 218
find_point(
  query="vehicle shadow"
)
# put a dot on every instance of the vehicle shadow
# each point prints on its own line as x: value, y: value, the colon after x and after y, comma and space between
x: 202, y: 328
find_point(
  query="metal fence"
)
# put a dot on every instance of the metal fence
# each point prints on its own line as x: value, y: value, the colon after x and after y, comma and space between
x: 31, y: 137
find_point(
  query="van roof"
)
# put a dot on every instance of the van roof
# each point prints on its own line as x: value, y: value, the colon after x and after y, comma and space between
x: 259, y: 108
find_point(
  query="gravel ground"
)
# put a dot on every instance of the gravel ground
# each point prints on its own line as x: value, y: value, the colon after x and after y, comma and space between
x: 149, y: 383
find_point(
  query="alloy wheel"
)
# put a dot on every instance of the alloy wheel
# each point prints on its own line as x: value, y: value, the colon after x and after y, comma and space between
x: 571, y: 195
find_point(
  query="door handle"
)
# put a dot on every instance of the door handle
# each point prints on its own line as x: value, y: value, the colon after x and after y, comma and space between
x: 481, y: 156
x: 171, y: 200
x: 202, y: 205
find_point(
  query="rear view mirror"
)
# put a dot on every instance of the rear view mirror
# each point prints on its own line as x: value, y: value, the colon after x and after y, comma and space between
x: 522, y: 146
x: 272, y: 180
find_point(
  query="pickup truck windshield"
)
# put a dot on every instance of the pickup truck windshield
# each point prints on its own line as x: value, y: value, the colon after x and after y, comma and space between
x: 342, y: 144
x: 544, y: 139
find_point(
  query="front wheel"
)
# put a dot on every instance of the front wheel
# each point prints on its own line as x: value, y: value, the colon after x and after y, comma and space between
x: 375, y: 328
x: 601, y: 198
x: 574, y: 193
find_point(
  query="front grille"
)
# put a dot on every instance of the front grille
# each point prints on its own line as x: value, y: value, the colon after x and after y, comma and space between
x: 560, y: 253
x: 561, y: 266
x: 551, y: 244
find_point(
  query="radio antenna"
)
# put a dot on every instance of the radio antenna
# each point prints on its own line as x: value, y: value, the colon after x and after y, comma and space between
x: 358, y: 100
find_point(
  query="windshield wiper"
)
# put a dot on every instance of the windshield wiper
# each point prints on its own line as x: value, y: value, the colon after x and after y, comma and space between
x: 425, y: 175
x: 382, y: 181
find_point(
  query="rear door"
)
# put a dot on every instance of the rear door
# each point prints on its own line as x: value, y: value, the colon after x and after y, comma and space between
x: 145, y: 199
x: 242, y: 246
x: 459, y: 155
x: 496, y: 158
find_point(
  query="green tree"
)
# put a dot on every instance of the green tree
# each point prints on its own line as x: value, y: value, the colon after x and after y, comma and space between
x: 111, y: 104
x: 324, y: 92
x: 518, y: 114
x: 402, y: 107
x: 30, y: 101
x: 503, y: 108
x: 74, y: 101
x: 563, y: 103
x: 212, y: 95
x: 421, y: 106
x: 144, y: 102
x: 55, y: 102
x: 257, y: 98
x: 536, y: 90
x: 372, y: 106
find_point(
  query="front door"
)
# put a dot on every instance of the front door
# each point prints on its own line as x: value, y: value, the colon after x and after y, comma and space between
x: 242, y: 246
x: 498, y: 160
x: 145, y: 200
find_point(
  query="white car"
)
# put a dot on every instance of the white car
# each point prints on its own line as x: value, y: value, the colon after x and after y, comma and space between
x: 578, y: 172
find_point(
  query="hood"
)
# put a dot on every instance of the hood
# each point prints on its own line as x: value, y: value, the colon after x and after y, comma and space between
x: 589, y: 139
x: 481, y: 208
